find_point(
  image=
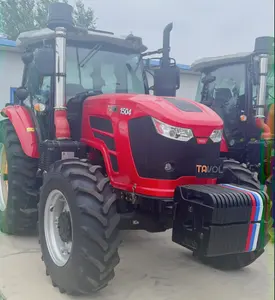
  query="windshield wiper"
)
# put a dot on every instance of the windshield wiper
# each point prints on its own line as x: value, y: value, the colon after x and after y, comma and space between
x: 87, y: 58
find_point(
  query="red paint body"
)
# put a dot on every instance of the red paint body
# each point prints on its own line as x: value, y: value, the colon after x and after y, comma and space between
x: 62, y: 128
x: 21, y: 119
x: 201, y: 123
x: 224, y: 147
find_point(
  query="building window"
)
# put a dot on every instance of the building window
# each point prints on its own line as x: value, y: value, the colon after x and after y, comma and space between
x: 12, y: 94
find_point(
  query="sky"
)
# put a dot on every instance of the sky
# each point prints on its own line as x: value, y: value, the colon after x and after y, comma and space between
x: 201, y: 27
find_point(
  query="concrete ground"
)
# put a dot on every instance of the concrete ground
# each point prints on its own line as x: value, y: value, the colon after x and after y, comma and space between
x: 151, y: 268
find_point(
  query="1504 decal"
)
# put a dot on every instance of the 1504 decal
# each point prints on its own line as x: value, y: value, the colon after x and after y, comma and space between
x: 125, y: 111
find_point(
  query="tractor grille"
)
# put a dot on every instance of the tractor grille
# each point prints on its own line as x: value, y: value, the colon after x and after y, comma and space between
x: 151, y: 152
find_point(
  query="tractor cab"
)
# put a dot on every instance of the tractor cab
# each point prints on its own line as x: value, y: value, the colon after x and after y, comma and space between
x: 240, y: 88
x: 64, y: 64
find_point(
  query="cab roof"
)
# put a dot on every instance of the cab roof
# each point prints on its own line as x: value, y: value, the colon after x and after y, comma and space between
x: 34, y: 37
x: 212, y: 62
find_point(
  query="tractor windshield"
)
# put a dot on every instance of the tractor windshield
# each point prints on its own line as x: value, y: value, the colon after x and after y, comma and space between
x: 99, y: 70
x: 226, y: 95
x: 226, y: 90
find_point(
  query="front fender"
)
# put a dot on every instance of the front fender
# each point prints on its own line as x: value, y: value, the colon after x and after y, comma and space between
x: 24, y: 128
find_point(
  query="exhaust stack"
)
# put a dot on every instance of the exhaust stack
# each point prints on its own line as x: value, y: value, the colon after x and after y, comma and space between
x: 166, y: 45
x: 261, y: 98
x: 60, y: 20
x: 264, y: 46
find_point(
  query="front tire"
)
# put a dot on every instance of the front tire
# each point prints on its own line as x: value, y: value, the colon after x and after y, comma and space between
x: 18, y: 186
x: 239, y: 174
x: 93, y: 223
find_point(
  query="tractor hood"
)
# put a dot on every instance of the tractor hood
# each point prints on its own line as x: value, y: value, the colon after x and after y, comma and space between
x: 181, y: 113
x: 176, y: 112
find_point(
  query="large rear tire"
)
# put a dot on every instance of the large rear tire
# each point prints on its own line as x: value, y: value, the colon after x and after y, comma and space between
x: 80, y: 242
x: 244, y: 177
x: 18, y: 188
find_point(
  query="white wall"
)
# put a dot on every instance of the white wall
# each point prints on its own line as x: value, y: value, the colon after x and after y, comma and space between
x: 188, y: 84
x: 11, y: 68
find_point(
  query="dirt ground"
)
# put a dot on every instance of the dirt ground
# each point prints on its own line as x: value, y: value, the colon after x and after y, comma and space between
x: 152, y: 268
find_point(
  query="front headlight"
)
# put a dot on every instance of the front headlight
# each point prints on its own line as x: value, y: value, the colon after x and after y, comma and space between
x: 172, y: 132
x: 216, y: 135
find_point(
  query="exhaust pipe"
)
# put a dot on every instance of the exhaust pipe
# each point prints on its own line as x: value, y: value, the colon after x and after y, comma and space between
x: 60, y: 20
x: 261, y: 99
x: 263, y: 49
x: 264, y: 46
x: 62, y: 128
x: 166, y: 45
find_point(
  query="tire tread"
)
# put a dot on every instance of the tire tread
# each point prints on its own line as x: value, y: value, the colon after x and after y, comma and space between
x: 20, y: 217
x: 99, y: 248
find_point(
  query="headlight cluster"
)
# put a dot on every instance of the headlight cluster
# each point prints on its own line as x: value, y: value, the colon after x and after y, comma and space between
x: 182, y: 134
x: 172, y: 132
x: 216, y: 135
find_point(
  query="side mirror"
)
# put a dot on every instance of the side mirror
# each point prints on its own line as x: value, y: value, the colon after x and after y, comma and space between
x: 27, y: 57
x: 205, y: 99
x: 166, y: 81
x: 44, y: 61
x: 20, y: 94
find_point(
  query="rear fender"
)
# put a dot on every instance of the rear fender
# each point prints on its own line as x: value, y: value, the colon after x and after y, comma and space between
x: 24, y: 128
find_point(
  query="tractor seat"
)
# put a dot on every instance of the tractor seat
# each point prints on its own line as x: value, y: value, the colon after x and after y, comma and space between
x: 223, y: 94
x: 221, y: 98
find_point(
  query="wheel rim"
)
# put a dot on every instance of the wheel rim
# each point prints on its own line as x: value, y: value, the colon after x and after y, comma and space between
x: 4, y: 186
x: 58, y: 227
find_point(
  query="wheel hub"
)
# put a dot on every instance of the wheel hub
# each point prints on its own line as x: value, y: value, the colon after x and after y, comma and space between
x: 3, y: 178
x: 64, y: 227
x: 58, y: 226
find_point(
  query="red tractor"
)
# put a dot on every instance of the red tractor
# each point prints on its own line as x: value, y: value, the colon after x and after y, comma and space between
x: 87, y: 151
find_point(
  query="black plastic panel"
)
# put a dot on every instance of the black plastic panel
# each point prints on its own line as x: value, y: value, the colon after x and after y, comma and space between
x: 101, y: 124
x: 109, y: 141
x: 74, y: 114
x: 114, y: 162
x: 151, y: 152
x: 51, y: 151
x: 184, y: 105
